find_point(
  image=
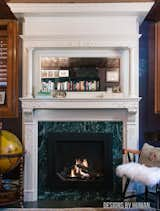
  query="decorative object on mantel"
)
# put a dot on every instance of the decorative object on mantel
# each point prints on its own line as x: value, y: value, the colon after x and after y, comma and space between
x: 116, y: 89
x: 113, y: 74
x: 59, y: 94
x: 11, y: 156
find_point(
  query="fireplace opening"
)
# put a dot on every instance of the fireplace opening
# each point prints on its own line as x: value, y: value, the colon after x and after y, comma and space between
x: 79, y: 160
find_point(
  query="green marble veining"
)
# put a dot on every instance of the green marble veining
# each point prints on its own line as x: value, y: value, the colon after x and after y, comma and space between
x: 116, y: 128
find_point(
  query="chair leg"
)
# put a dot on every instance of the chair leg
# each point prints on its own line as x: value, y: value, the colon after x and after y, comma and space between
x: 158, y: 196
x: 125, y: 188
x: 146, y: 194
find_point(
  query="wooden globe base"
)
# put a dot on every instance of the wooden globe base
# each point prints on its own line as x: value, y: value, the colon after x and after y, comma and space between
x: 11, y: 193
x: 7, y: 194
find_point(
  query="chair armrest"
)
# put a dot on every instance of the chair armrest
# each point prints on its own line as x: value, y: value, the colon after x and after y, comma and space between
x: 131, y: 154
x: 133, y: 151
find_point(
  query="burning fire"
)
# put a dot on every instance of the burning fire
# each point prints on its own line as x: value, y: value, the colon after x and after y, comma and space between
x: 79, y: 169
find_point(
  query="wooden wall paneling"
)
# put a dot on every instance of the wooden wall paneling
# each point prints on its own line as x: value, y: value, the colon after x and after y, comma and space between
x: 154, y: 14
x: 5, y: 12
x: 157, y: 67
x: 10, y: 107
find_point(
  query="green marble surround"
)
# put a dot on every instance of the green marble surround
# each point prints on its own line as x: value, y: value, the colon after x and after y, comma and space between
x: 116, y: 128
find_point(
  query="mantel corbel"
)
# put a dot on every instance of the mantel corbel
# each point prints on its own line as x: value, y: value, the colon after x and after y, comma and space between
x: 28, y: 114
x: 132, y: 109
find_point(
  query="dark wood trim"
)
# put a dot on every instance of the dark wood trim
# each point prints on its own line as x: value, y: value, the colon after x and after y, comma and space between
x: 5, y: 12
x: 157, y: 67
x: 154, y: 14
x: 75, y: 1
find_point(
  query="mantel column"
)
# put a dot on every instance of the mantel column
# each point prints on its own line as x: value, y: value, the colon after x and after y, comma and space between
x: 27, y: 72
x: 132, y: 71
x: 30, y: 134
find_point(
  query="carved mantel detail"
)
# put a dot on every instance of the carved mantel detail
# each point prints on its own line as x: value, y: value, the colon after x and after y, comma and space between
x: 129, y: 104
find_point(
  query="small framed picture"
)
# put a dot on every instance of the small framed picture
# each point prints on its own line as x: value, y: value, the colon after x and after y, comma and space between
x: 53, y: 73
x: 63, y: 73
x: 2, y: 97
x: 112, y: 75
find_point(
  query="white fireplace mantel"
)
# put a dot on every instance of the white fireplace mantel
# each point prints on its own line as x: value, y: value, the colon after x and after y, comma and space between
x: 35, y: 110
x: 81, y: 29
x: 131, y: 105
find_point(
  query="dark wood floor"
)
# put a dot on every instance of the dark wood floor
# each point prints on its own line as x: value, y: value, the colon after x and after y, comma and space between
x: 62, y: 204
x: 97, y: 206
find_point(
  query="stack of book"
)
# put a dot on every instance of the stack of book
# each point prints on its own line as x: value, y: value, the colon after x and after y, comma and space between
x: 83, y: 85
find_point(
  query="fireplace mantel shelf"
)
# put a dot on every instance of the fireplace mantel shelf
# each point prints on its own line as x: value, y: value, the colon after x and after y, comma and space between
x: 130, y: 104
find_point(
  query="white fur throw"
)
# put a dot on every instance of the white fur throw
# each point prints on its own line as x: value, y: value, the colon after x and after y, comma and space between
x: 147, y: 175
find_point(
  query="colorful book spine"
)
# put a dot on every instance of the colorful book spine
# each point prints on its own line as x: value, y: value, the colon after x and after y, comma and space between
x: 70, y: 85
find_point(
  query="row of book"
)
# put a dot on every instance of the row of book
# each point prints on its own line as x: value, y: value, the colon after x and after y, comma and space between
x: 93, y: 85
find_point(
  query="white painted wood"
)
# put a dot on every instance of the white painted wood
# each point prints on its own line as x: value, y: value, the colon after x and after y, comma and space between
x: 139, y: 9
x: 132, y: 71
x: 25, y: 71
x: 30, y: 73
x: 78, y: 26
x: 130, y: 104
x: 36, y: 110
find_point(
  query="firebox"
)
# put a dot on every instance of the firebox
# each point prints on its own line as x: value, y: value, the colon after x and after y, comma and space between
x: 79, y: 160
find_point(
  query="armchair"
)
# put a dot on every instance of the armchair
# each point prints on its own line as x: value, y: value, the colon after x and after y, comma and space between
x: 143, y: 167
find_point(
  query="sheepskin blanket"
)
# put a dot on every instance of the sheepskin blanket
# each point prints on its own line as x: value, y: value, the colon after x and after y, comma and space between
x: 149, y: 176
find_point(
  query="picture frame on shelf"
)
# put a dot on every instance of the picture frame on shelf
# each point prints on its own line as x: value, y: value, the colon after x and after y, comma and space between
x: 63, y: 73
x: 112, y: 75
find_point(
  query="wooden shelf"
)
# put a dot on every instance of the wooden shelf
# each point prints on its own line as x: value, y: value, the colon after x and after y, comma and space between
x: 9, y: 68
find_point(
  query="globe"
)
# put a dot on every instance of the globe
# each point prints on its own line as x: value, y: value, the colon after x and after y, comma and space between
x: 10, y: 149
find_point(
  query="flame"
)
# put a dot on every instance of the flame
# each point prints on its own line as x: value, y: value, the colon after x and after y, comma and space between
x: 78, y: 161
x: 77, y: 170
x: 72, y: 173
x: 85, y: 163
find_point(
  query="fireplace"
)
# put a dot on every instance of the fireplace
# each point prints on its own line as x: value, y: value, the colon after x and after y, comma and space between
x: 79, y: 160
x: 64, y: 144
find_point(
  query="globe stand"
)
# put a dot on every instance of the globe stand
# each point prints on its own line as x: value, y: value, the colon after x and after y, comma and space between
x: 1, y: 185
x: 13, y: 194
